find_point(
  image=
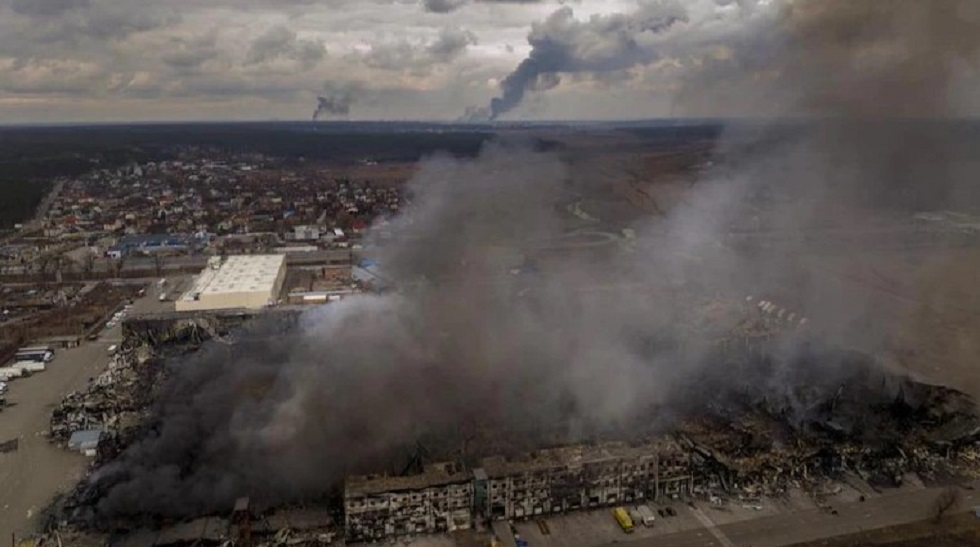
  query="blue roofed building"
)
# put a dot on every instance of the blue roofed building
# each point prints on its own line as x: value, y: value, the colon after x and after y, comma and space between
x: 150, y: 243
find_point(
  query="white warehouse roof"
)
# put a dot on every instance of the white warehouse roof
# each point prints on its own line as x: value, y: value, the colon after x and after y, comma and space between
x: 246, y: 281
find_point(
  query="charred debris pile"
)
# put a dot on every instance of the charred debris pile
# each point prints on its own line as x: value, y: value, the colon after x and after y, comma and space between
x: 825, y: 415
x: 117, y: 402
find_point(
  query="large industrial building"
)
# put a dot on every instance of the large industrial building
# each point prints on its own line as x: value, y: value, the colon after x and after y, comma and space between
x: 445, y: 498
x: 241, y: 281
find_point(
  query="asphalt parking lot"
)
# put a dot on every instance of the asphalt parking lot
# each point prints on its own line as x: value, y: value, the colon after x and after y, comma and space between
x: 149, y: 303
x: 596, y: 527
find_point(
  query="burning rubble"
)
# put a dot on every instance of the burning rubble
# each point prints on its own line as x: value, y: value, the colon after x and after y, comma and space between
x: 854, y: 416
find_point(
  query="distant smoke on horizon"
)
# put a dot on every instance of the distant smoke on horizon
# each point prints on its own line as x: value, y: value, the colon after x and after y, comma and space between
x: 336, y: 101
x: 562, y: 44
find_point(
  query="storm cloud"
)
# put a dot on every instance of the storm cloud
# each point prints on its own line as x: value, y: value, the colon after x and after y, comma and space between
x: 336, y: 100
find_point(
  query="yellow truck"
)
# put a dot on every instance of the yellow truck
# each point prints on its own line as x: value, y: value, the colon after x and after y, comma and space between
x: 624, y: 520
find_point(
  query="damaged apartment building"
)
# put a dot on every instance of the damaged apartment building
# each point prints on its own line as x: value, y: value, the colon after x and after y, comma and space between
x: 440, y: 499
x: 445, y: 497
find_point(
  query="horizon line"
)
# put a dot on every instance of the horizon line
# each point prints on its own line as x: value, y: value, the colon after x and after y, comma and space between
x: 494, y: 124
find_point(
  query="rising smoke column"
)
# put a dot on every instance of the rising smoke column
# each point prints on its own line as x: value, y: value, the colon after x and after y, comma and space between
x: 603, y: 43
x: 336, y: 100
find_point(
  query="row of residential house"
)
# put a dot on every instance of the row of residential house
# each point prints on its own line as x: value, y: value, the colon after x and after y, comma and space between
x: 203, y: 198
x: 201, y: 194
x: 447, y: 497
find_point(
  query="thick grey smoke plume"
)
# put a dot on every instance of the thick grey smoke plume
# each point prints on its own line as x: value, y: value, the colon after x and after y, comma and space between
x: 441, y: 6
x: 465, y: 345
x: 465, y: 349
x: 562, y: 44
x: 873, y: 89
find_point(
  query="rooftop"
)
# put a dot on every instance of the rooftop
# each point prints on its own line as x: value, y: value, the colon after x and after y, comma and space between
x: 439, y: 474
x: 85, y: 439
x: 238, y: 274
x: 550, y: 458
x: 442, y: 474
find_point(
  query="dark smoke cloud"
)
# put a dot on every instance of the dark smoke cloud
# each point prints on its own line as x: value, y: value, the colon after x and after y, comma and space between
x: 464, y: 344
x: 562, y: 44
x: 441, y: 6
x: 447, y: 6
x: 336, y: 100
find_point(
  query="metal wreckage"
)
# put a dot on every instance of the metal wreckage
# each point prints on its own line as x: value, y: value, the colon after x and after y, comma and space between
x: 809, y: 422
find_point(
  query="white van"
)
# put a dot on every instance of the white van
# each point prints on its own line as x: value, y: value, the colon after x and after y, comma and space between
x: 647, y: 515
x: 112, y: 349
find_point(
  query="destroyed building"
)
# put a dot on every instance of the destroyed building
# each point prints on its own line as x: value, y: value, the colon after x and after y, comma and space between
x: 445, y: 497
x: 440, y: 499
x: 578, y: 477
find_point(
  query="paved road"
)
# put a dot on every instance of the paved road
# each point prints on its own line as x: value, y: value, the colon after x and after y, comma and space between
x: 810, y: 525
x: 712, y: 528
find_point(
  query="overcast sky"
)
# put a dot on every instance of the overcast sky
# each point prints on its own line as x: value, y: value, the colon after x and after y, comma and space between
x: 119, y: 60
